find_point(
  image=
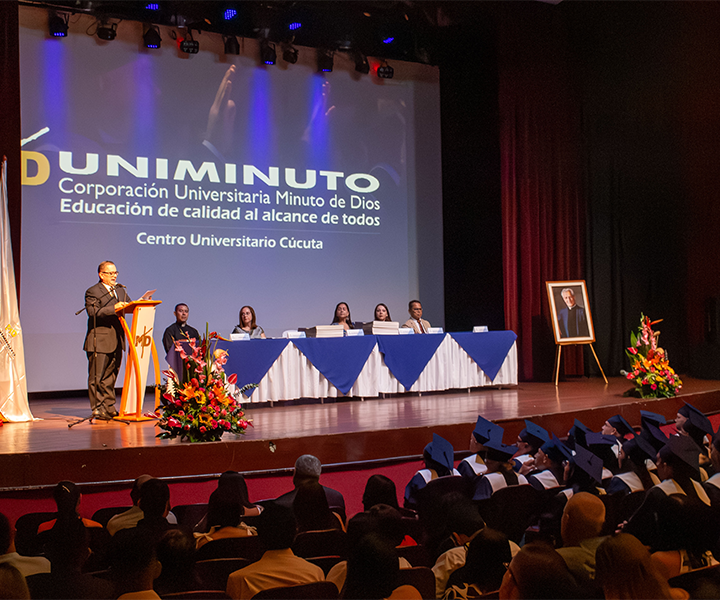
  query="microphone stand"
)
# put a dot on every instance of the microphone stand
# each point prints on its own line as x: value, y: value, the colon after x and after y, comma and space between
x: 90, y: 417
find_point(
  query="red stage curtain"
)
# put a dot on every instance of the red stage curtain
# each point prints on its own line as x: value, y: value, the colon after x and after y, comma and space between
x: 543, y: 216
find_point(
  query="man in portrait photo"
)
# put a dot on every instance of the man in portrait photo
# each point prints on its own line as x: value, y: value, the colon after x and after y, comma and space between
x: 572, y: 319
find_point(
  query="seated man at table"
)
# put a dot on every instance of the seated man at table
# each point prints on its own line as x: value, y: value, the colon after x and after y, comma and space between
x: 416, y: 321
x: 179, y: 330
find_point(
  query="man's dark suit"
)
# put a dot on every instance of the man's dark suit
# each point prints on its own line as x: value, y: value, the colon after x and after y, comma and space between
x: 573, y: 323
x: 109, y: 341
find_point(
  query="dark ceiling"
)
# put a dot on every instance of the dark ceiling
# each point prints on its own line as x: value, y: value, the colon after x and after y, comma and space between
x: 400, y: 30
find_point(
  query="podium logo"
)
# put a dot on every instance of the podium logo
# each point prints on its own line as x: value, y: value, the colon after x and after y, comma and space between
x: 143, y: 340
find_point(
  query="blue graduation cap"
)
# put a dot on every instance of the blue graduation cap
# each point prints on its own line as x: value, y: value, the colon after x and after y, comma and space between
x: 698, y: 420
x: 654, y: 418
x: 498, y: 451
x: 638, y: 450
x: 533, y: 434
x: 577, y: 434
x: 685, y: 449
x: 623, y: 427
x: 556, y: 451
x: 441, y: 451
x: 588, y: 462
x: 485, y: 430
x: 656, y: 438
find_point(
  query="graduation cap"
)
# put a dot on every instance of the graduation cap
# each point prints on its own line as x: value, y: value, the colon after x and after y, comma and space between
x: 685, y: 449
x: 602, y: 446
x: 485, y: 430
x: 556, y: 451
x: 533, y: 434
x: 577, y: 435
x: 441, y: 451
x: 639, y: 450
x: 588, y: 462
x: 698, y: 420
x: 656, y: 438
x: 622, y: 426
x: 496, y: 450
x: 654, y: 418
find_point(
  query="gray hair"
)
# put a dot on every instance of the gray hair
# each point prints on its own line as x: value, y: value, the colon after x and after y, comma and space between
x: 308, y: 466
x: 567, y: 290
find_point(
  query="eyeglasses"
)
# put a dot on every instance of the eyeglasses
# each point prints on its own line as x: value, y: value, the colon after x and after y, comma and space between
x: 110, y: 272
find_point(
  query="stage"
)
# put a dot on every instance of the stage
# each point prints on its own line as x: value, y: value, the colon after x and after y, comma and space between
x: 340, y: 432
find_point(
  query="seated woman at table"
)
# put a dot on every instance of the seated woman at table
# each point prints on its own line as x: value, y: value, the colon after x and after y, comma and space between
x: 342, y: 316
x: 382, y: 313
x: 248, y: 324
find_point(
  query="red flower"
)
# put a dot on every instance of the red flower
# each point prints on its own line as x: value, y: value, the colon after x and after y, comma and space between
x: 203, y: 429
x: 232, y: 379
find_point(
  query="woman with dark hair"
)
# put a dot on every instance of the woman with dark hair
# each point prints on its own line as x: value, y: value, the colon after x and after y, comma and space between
x: 233, y: 482
x: 176, y: 553
x: 379, y: 490
x: 312, y: 512
x: 342, y: 316
x: 624, y: 569
x: 487, y: 558
x: 382, y: 313
x: 224, y: 518
x: 67, y: 499
x: 248, y: 325
x: 712, y: 485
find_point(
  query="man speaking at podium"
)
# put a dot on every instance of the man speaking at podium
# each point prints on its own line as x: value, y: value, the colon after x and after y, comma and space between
x: 105, y: 340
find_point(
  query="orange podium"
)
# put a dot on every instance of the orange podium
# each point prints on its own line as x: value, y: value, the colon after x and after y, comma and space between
x: 140, y: 347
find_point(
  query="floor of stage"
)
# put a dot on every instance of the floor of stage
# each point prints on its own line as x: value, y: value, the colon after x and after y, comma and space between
x: 338, y: 432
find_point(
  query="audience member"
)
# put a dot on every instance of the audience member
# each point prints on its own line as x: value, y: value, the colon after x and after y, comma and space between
x: 68, y: 550
x: 223, y: 514
x: 488, y: 556
x: 438, y: 457
x: 235, y: 483
x: 308, y: 469
x: 311, y: 509
x: 624, y: 569
x: 179, y: 330
x: 27, y: 565
x: 278, y: 567
x: 538, y: 571
x: 134, y: 565
x: 500, y: 473
x: 12, y: 583
x: 176, y: 553
x: 712, y: 485
x: 379, y: 490
x: 130, y: 517
x: 528, y: 442
x: 67, y: 498
x: 547, y: 470
x: 155, y: 504
x: 474, y: 465
x: 582, y: 522
x: 633, y: 475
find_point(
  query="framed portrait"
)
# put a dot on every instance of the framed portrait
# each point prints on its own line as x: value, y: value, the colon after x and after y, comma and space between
x: 570, y: 310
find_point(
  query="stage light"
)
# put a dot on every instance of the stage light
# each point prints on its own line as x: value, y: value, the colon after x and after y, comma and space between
x: 189, y: 45
x: 361, y: 63
x: 325, y: 61
x: 229, y: 14
x: 106, y: 31
x: 385, y: 71
x: 294, y: 26
x: 152, y: 6
x: 57, y: 25
x: 290, y: 55
x: 231, y: 45
x: 388, y: 40
x: 151, y: 38
x: 267, y: 52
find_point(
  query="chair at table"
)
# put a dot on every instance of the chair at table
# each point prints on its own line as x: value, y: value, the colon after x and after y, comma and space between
x: 421, y: 578
x: 321, y: 590
x: 250, y: 548
x: 103, y: 515
x: 26, y: 540
x: 327, y: 542
x: 213, y: 574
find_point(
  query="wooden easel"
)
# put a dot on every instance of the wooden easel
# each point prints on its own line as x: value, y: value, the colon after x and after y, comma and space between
x: 558, y: 353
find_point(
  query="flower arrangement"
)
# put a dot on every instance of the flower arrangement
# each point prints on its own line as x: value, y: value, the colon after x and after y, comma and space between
x: 650, y: 367
x: 198, y: 404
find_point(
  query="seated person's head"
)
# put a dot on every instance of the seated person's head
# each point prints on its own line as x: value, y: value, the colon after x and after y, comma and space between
x: 133, y: 561
x: 372, y: 568
x: 176, y: 553
x: 311, y: 509
x: 388, y: 523
x: 379, y: 490
x: 224, y: 508
x: 6, y: 535
x: 67, y: 498
x: 155, y: 498
x: 583, y: 518
x: 307, y: 468
x: 137, y: 485
x: 538, y: 571
x: 487, y: 559
x: 463, y: 519
x: 276, y: 526
x: 67, y: 546
x: 235, y: 482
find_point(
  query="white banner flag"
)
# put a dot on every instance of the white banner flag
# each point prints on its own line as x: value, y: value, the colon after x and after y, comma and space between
x: 13, y: 385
